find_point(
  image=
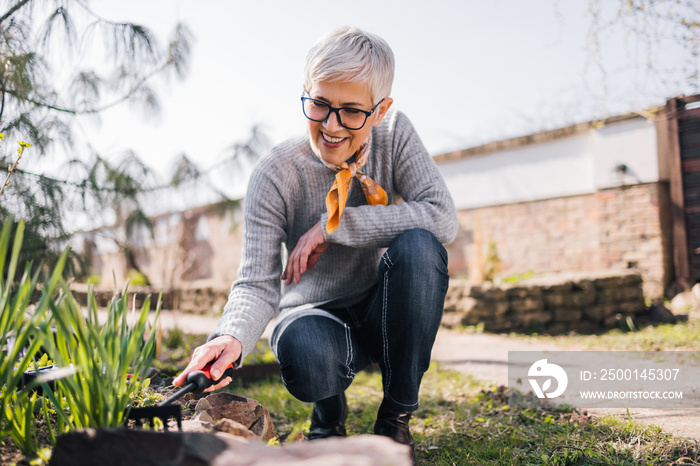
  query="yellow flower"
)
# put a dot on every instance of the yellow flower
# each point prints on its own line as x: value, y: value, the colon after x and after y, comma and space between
x: 2, y: 136
x: 22, y: 145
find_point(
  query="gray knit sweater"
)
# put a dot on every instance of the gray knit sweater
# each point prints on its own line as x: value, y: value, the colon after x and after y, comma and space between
x: 286, y: 197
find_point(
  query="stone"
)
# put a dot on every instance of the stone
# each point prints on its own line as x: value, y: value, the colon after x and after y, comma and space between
x: 631, y: 307
x: 632, y: 279
x: 695, y: 291
x: 571, y: 300
x: 684, y: 303
x: 658, y: 312
x: 362, y: 450
x: 632, y: 293
x: 488, y: 309
x: 470, y: 319
x: 132, y: 447
x: 524, y: 291
x: 608, y: 295
x: 608, y: 282
x: 527, y: 304
x: 583, y: 285
x: 582, y: 299
x: 466, y: 305
x: 532, y: 318
x: 193, y: 425
x: 559, y: 287
x: 564, y: 314
x: 488, y: 294
x: 243, y: 410
x: 552, y: 299
x: 452, y: 319
x: 235, y: 428
x: 136, y: 447
x: 599, y: 312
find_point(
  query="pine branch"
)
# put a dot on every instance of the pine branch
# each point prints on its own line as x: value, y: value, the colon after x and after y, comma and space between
x: 11, y: 11
x: 135, y: 88
x: 2, y: 99
x: 82, y: 184
x: 39, y: 104
x: 87, y: 111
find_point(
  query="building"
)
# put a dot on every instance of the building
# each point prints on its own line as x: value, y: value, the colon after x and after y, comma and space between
x: 196, y: 248
x: 621, y: 193
x: 618, y: 194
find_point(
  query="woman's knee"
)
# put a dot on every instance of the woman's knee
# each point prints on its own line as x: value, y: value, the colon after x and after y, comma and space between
x: 313, y: 364
x: 420, y: 250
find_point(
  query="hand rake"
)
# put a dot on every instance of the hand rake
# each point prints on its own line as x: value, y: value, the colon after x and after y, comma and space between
x: 197, y: 381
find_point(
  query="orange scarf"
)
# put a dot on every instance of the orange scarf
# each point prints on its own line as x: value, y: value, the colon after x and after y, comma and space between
x: 337, y: 196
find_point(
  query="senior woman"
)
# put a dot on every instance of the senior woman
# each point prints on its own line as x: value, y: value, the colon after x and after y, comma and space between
x: 343, y: 237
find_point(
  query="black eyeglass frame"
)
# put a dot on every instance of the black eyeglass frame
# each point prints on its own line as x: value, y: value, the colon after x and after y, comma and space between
x: 337, y: 110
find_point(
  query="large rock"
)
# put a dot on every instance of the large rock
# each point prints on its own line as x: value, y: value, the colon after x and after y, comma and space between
x: 135, y: 447
x: 245, y: 411
x: 121, y: 447
x: 364, y: 450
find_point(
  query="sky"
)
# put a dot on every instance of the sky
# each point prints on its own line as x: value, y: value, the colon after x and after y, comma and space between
x: 467, y: 72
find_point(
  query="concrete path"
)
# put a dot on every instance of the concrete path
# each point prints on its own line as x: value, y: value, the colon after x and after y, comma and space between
x: 485, y: 356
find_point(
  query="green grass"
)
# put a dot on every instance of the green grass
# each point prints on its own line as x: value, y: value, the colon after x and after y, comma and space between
x: 683, y: 336
x: 461, y: 422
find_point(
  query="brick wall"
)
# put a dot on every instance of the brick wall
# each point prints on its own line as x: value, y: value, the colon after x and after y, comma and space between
x: 625, y: 228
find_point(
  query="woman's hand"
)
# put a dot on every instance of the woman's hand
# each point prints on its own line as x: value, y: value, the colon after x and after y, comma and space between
x: 223, y: 350
x: 305, y: 255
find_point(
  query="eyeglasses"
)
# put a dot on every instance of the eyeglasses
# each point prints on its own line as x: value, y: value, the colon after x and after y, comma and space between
x: 348, y: 117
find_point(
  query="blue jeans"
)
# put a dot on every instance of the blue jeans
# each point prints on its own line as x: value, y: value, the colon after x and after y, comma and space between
x: 395, y: 327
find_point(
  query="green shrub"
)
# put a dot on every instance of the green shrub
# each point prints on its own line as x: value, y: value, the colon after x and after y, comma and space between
x: 103, y: 365
x: 20, y: 337
x: 106, y: 359
x: 136, y: 278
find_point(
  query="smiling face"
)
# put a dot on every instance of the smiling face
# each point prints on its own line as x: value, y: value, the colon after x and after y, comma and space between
x: 334, y: 143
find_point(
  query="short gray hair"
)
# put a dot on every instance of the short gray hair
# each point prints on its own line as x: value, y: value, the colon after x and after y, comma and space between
x: 350, y: 54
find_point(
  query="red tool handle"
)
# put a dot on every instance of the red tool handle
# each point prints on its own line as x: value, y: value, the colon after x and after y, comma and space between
x: 202, y: 379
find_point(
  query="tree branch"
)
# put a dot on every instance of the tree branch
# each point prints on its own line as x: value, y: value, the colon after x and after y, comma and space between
x: 9, y: 174
x: 2, y: 102
x: 88, y: 111
x: 13, y: 9
x: 37, y: 103
x: 126, y: 96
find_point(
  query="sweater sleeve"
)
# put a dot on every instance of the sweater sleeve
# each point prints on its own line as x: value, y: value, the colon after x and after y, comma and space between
x: 427, y: 203
x: 255, y: 295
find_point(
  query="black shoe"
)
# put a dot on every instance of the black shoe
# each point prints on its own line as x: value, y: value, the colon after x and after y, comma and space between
x: 320, y: 429
x: 394, y: 424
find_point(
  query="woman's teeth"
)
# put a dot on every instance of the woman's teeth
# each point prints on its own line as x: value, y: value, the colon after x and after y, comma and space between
x: 331, y: 139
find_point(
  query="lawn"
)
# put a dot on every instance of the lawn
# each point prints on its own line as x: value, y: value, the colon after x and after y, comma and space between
x: 462, y: 421
x: 681, y: 336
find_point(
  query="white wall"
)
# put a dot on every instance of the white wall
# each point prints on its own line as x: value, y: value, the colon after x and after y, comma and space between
x: 579, y: 164
x: 632, y: 143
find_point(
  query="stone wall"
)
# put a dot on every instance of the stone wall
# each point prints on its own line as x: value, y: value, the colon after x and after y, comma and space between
x: 195, y: 300
x: 583, y: 304
x: 548, y: 304
x: 617, y: 230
